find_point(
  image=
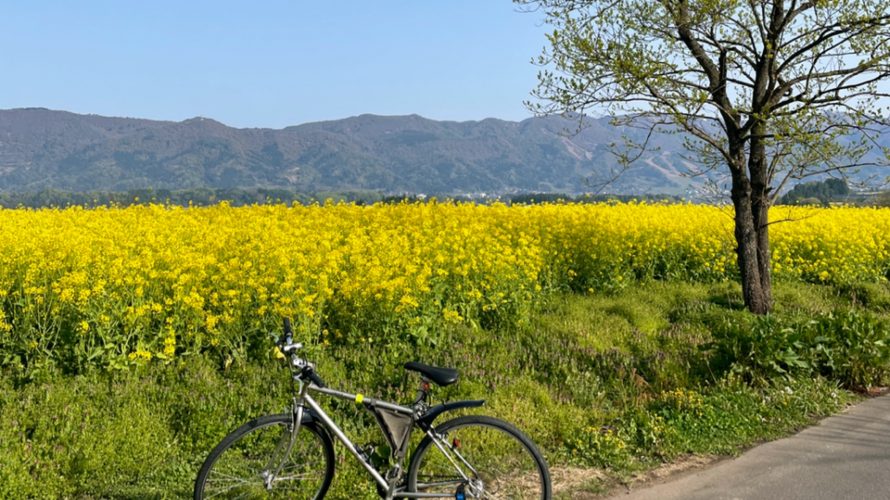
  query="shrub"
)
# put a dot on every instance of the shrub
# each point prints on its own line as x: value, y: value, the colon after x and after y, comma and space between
x: 852, y: 347
x: 849, y: 346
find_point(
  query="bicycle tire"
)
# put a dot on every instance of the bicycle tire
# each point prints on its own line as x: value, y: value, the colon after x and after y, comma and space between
x: 234, y: 469
x: 506, y: 462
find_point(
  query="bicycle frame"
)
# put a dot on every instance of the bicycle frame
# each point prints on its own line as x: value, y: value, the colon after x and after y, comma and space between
x: 305, y: 400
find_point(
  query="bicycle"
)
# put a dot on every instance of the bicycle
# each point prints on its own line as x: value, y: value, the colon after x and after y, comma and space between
x: 292, y: 454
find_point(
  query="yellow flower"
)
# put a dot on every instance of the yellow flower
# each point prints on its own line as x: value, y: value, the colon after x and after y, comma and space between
x: 184, y: 279
x: 140, y: 355
x: 451, y: 316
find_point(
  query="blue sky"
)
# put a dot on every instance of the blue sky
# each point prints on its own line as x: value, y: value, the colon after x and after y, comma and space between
x: 270, y: 63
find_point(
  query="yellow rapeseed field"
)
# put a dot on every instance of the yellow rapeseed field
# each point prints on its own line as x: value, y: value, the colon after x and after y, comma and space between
x: 121, y: 286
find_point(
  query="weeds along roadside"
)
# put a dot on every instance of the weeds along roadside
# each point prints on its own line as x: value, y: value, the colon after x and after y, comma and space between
x: 620, y: 382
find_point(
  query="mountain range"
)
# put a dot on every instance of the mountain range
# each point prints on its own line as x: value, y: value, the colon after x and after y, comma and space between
x: 45, y: 149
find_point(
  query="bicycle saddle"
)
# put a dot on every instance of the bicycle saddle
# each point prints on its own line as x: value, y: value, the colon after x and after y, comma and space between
x: 441, y: 376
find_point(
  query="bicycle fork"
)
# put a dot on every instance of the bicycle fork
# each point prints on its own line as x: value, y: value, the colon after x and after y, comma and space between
x: 286, y: 444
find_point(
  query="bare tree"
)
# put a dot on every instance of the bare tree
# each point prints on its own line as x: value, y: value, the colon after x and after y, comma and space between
x: 769, y: 90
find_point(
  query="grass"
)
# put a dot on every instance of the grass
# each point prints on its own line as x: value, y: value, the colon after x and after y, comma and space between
x: 614, y: 385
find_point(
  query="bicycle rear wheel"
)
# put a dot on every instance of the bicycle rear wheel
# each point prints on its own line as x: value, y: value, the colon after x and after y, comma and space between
x: 484, y: 457
x: 244, y: 464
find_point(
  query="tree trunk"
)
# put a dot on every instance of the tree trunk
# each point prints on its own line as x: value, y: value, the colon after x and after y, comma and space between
x: 757, y: 167
x: 750, y: 197
x: 760, y: 214
x: 747, y: 236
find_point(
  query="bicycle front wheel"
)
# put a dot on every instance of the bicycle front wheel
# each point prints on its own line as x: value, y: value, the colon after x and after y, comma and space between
x: 482, y: 456
x: 258, y: 460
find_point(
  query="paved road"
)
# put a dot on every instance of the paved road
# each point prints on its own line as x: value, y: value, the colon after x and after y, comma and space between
x: 844, y: 457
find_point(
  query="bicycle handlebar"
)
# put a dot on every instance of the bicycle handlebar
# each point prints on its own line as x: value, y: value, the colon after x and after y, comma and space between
x: 313, y: 377
x: 288, y: 331
x: 287, y: 346
x: 286, y: 342
x: 287, y: 328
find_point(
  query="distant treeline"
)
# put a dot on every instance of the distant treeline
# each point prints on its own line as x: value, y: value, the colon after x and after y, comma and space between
x: 237, y: 197
x: 816, y: 193
x: 198, y: 197
x: 534, y: 198
x: 822, y: 192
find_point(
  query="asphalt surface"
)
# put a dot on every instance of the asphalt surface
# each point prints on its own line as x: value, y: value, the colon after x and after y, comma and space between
x: 846, y: 456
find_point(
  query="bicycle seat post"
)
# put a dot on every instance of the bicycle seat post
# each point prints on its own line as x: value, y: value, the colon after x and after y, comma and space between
x: 422, y: 393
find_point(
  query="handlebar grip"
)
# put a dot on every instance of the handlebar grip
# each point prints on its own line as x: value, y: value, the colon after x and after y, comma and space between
x: 287, y: 328
x: 311, y: 375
